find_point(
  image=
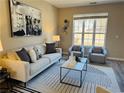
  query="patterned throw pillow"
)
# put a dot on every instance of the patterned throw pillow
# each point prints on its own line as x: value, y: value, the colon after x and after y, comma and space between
x: 38, y: 51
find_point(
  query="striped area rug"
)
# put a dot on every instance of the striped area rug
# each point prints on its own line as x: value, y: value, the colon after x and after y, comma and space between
x: 49, y: 80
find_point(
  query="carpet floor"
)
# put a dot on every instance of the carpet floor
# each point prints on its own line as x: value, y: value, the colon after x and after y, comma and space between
x: 49, y: 80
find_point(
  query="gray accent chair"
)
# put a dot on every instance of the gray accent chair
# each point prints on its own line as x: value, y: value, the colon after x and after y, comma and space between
x: 77, y: 50
x: 97, y: 54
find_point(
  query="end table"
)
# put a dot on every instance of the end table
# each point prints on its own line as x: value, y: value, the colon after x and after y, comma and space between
x: 4, y: 75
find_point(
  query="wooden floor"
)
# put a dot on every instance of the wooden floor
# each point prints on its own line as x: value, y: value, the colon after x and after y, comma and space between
x: 118, y: 68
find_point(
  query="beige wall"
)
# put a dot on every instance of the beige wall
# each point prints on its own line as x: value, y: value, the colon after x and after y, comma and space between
x: 114, y: 45
x: 49, y: 24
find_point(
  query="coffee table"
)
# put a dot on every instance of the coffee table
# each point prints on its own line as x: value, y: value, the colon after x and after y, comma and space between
x: 78, y: 66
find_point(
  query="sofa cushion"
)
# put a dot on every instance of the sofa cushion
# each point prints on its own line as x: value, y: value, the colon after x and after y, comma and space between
x: 52, y: 56
x: 97, y: 57
x: 23, y: 54
x: 39, y: 64
x: 50, y: 48
x: 32, y: 55
x: 95, y: 54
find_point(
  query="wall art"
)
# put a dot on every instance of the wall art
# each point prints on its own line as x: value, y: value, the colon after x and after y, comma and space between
x: 25, y: 20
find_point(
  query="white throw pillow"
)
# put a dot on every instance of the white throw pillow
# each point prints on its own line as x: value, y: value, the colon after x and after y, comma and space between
x: 32, y: 55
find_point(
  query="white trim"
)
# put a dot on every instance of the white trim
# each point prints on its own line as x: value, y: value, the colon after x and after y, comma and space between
x: 90, y: 14
x: 118, y: 59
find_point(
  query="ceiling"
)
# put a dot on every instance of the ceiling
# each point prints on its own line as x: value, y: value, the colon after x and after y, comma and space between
x: 74, y: 3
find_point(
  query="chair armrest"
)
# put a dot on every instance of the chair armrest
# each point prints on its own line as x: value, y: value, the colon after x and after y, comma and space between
x: 19, y: 70
x: 82, y: 51
x: 90, y: 50
x: 104, y: 51
x: 69, y: 50
x: 59, y: 50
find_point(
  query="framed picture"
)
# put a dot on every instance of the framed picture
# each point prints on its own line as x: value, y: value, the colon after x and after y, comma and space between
x: 25, y: 20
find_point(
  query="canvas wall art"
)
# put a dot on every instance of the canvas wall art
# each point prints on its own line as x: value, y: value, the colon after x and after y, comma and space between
x: 25, y: 20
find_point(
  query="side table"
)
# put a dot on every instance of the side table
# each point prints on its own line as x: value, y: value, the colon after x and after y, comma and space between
x: 5, y: 76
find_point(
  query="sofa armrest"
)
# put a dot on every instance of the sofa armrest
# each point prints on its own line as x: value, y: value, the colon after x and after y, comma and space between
x: 19, y: 70
x: 59, y: 50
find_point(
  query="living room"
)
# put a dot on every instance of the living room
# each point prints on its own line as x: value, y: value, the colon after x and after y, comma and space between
x: 61, y: 18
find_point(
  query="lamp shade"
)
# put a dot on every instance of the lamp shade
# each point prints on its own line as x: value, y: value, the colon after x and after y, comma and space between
x: 1, y: 48
x: 56, y: 38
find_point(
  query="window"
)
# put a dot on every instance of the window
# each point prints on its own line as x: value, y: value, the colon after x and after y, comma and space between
x: 89, y: 31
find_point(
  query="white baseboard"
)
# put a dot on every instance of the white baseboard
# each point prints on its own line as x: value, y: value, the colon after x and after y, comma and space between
x: 112, y: 58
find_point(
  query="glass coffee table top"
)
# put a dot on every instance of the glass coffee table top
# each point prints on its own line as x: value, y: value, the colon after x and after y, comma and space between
x: 76, y: 66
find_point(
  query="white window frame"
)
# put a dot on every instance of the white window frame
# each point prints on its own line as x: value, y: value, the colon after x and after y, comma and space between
x: 94, y: 29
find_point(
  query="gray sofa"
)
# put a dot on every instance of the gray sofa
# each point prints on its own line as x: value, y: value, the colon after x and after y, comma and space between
x: 97, y: 54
